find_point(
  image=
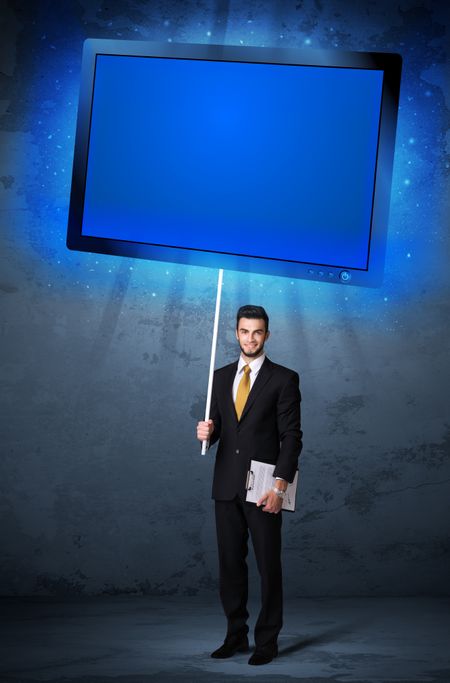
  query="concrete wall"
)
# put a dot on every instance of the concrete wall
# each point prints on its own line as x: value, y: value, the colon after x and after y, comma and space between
x: 105, y: 360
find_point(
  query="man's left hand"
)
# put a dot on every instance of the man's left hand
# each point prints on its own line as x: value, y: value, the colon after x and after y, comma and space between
x: 273, y: 503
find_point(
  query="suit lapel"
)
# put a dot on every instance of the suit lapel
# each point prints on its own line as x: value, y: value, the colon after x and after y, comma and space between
x: 259, y: 383
x: 229, y: 387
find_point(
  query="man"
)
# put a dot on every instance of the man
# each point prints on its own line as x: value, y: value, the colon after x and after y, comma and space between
x: 255, y: 414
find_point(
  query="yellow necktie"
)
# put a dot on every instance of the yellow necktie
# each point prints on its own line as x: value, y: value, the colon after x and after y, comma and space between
x: 243, y: 391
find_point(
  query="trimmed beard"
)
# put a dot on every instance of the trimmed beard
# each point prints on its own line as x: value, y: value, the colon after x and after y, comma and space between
x: 253, y: 354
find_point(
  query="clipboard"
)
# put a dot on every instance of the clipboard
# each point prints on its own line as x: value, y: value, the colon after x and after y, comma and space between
x: 260, y: 479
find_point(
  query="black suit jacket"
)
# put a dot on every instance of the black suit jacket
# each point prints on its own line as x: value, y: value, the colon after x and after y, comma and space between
x: 269, y: 428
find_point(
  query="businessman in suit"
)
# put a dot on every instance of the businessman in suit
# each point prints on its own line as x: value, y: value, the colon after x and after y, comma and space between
x: 255, y: 414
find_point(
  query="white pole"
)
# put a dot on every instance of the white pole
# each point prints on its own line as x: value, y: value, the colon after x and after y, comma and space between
x: 205, y: 444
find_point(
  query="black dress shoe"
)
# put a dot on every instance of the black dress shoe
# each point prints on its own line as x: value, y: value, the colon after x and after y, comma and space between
x: 229, y: 648
x: 259, y: 658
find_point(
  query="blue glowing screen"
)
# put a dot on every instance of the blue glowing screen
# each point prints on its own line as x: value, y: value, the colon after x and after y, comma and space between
x: 257, y: 159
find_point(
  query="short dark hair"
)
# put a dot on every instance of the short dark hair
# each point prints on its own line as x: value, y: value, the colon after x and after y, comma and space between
x: 249, y: 311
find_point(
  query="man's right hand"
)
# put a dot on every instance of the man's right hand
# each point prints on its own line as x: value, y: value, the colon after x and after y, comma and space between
x: 204, y: 430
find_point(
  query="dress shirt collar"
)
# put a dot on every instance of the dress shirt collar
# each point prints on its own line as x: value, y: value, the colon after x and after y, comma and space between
x: 255, y: 364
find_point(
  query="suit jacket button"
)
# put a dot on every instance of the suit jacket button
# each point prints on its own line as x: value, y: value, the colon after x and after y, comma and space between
x: 237, y: 451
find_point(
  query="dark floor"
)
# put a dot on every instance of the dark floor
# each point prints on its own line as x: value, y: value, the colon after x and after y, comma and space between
x: 141, y: 639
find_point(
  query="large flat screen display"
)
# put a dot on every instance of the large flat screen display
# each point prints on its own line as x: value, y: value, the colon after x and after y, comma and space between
x: 272, y: 161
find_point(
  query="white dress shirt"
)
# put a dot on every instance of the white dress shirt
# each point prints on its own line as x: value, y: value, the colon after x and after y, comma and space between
x: 255, y: 367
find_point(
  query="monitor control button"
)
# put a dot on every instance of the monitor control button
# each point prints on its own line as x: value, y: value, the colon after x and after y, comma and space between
x: 345, y: 276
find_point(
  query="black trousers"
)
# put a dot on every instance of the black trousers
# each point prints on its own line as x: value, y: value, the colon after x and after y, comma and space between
x: 234, y: 519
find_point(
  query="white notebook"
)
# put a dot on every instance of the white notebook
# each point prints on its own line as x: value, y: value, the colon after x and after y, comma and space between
x: 260, y: 479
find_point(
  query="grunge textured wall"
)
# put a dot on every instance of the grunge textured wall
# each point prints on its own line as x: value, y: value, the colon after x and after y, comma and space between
x: 105, y: 359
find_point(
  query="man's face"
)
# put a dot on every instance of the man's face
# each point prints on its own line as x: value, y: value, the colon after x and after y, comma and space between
x: 251, y: 334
